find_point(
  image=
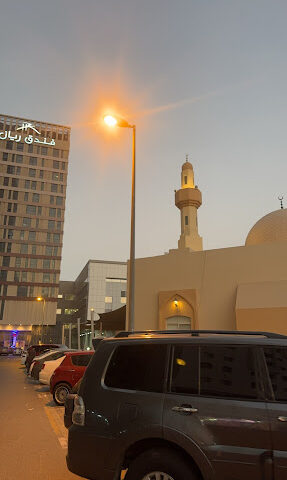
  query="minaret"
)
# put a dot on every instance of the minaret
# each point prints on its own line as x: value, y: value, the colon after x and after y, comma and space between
x: 188, y: 200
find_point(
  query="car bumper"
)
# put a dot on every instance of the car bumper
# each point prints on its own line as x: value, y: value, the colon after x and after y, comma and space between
x: 86, y: 455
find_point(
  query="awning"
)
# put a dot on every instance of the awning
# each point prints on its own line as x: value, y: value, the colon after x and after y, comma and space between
x: 112, y: 321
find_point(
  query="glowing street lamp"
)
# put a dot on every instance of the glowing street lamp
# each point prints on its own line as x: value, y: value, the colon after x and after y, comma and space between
x: 42, y: 299
x: 115, y: 121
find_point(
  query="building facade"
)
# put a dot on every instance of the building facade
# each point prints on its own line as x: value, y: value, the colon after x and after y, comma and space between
x: 238, y: 288
x: 33, y: 179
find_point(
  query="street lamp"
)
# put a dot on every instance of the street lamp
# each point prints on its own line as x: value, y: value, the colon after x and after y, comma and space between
x: 115, y: 121
x: 42, y: 299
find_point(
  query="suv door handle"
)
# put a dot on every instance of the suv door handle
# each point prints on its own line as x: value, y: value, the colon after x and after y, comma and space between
x: 282, y: 419
x: 186, y: 409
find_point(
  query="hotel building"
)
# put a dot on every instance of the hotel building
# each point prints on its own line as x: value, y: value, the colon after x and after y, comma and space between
x: 33, y: 179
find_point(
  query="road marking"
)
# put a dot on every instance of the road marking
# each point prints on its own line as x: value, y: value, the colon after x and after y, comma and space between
x: 53, y: 423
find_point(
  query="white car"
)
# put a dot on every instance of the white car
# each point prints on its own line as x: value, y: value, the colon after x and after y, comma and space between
x: 23, y: 358
x: 48, y: 369
x: 40, y: 357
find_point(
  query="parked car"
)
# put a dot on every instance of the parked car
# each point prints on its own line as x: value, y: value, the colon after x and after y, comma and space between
x: 205, y: 405
x: 68, y: 374
x: 4, y: 350
x: 35, y: 350
x: 48, y: 356
x: 69, y: 404
x: 48, y: 369
x: 23, y: 358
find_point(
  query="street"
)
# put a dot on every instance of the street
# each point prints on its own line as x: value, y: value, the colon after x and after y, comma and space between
x: 33, y: 438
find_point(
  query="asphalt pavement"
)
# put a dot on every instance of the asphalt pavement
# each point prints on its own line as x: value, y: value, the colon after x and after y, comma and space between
x: 33, y: 439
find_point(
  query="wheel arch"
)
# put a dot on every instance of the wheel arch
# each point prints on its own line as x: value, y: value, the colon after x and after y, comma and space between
x: 143, y: 445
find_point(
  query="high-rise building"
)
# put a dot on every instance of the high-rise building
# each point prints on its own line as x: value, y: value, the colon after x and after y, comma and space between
x: 33, y: 179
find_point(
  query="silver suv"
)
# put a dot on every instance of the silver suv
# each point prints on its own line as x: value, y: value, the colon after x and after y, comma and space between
x: 173, y: 405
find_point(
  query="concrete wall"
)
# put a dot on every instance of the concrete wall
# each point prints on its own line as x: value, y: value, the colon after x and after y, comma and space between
x: 214, y: 276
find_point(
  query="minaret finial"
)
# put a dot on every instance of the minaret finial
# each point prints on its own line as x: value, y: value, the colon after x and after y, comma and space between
x: 186, y: 157
x: 280, y: 198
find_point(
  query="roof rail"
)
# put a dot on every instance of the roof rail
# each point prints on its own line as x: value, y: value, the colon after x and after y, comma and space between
x: 196, y: 333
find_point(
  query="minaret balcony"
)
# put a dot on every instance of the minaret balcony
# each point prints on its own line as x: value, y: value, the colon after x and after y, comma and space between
x: 188, y: 197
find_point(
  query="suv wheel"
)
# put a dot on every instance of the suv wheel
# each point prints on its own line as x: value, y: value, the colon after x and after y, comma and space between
x: 160, y: 464
x: 60, y: 393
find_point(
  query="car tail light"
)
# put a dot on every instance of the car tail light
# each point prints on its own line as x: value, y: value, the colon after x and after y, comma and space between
x: 78, y: 416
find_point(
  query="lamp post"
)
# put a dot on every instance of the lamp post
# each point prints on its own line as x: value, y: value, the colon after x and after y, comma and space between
x: 42, y: 299
x: 113, y: 121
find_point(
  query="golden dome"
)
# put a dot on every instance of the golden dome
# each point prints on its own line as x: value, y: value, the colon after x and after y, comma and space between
x: 270, y: 228
x: 187, y: 165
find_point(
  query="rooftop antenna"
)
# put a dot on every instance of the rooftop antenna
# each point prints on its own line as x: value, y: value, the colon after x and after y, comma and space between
x: 280, y: 198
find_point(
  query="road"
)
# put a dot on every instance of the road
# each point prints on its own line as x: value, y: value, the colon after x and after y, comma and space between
x: 33, y: 438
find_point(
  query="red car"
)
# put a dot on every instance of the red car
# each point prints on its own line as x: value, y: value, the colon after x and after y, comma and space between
x: 68, y: 374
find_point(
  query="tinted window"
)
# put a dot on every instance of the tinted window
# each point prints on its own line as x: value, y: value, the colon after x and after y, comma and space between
x: 137, y: 367
x: 276, y: 359
x: 55, y: 356
x: 81, y: 360
x: 225, y: 371
x: 185, y: 372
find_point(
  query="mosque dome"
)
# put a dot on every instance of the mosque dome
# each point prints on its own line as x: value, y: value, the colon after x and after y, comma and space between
x: 270, y: 228
x: 187, y: 165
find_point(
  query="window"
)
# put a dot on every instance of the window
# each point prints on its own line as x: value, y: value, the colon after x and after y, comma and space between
x: 63, y: 165
x: 35, y: 197
x: 54, y: 187
x: 44, y: 151
x: 42, y: 186
x: 32, y: 236
x: 34, y: 250
x: 22, y: 291
x: 32, y: 172
x: 51, y: 225
x: 10, y: 169
x: 33, y: 161
x: 55, y: 176
x: 15, y: 207
x: 19, y: 158
x: 24, y: 248
x: 11, y: 221
x: 2, y: 246
x: 31, y: 209
x: 6, y: 181
x: 56, y: 152
x: 22, y: 235
x: 18, y: 262
x: 6, y: 262
x: 137, y: 367
x: 26, y: 197
x: 31, y: 291
x: 33, y: 262
x: 34, y: 185
x: 5, y: 156
x: 9, y: 207
x: 59, y: 225
x: 56, y: 164
x: 185, y: 370
x: 20, y: 147
x: 18, y: 170
x: 43, y: 162
x: 225, y: 371
x: 46, y: 277
x: 10, y: 234
x: 24, y: 277
x: 1, y: 192
x: 276, y: 359
x: 108, y: 299
x: 3, y: 275
x: 46, y: 263
x: 27, y: 184
x: 186, y: 220
x: 59, y: 200
x: 9, y: 145
x: 52, y: 212
x: 15, y: 182
x: 58, y: 311
x: 81, y: 360
x: 9, y: 246
x: 45, y: 291
x: 59, y: 213
x: 26, y: 222
x: 185, y: 179
x: 41, y: 174
x: 15, y: 195
x: 56, y: 238
x: 49, y: 250
x: 52, y: 199
x: 70, y: 311
x: 30, y: 148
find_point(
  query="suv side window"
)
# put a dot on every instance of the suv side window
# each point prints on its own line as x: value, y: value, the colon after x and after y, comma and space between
x: 276, y: 360
x: 215, y: 371
x: 81, y: 360
x: 137, y: 367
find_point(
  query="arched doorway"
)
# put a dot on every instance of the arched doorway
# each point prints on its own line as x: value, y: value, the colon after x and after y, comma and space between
x: 178, y: 322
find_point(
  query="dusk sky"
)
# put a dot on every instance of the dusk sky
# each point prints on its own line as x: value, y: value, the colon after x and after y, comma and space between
x: 207, y: 78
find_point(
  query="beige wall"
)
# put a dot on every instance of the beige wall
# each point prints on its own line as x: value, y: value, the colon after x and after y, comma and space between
x: 214, y: 276
x: 29, y: 313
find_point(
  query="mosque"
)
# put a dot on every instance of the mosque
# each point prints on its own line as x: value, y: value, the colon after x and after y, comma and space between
x: 238, y: 288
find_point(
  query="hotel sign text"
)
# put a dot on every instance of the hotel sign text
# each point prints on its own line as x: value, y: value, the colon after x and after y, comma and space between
x: 6, y: 135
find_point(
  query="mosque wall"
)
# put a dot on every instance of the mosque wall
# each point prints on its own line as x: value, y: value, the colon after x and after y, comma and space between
x: 211, y: 282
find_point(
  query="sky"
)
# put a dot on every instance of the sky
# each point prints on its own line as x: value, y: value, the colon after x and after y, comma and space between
x: 204, y: 78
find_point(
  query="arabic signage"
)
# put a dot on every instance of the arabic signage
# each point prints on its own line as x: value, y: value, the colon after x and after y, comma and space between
x: 6, y: 135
